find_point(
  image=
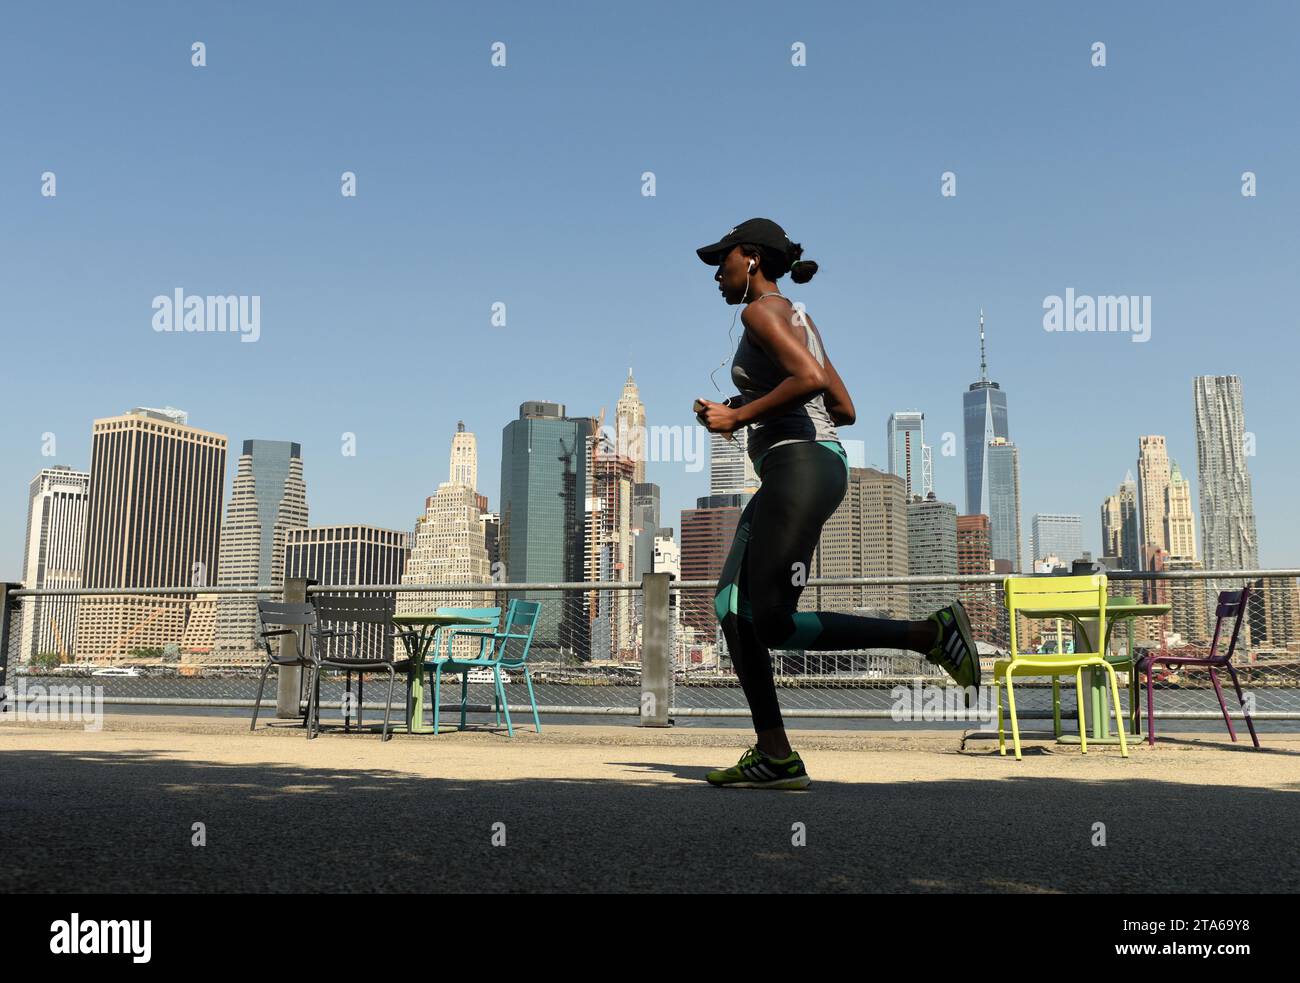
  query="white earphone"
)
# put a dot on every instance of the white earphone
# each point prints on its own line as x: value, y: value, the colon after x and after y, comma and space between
x: 732, y: 329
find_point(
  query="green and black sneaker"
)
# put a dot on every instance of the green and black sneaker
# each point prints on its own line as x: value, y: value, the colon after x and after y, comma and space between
x: 955, y: 650
x: 758, y: 770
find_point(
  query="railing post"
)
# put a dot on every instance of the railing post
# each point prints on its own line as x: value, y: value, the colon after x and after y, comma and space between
x: 656, y: 661
x: 289, y: 683
x: 8, y: 612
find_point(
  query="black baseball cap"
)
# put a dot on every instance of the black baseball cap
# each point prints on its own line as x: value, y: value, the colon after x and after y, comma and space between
x: 756, y: 231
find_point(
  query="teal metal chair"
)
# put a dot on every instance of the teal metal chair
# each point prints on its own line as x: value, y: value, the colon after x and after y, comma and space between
x: 449, y: 634
x: 495, y: 654
x: 448, y: 637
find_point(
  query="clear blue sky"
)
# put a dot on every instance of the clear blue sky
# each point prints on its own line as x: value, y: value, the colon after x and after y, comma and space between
x: 523, y: 185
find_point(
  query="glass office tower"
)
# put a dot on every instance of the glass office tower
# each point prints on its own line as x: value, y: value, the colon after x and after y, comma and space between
x: 984, y: 418
x: 542, y: 536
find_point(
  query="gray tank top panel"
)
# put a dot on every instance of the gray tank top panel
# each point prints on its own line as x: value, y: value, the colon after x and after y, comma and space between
x: 755, y: 375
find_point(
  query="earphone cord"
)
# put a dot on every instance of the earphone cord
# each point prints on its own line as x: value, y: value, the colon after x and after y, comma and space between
x: 731, y: 330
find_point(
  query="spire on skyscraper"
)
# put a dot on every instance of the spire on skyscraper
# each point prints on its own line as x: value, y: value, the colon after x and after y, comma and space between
x: 629, y: 430
x: 629, y: 387
x: 984, y: 369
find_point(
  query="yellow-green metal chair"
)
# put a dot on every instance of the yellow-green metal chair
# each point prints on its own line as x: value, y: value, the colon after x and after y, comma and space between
x: 1055, y: 597
x: 1124, y: 662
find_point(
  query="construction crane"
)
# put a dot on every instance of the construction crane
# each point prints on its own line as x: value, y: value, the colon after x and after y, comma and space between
x: 570, y: 611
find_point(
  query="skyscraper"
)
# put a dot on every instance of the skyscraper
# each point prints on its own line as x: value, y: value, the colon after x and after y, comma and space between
x: 544, y: 484
x: 909, y: 454
x: 984, y: 419
x: 1120, y: 532
x: 56, y: 524
x: 731, y: 472
x: 708, y: 531
x: 153, y: 520
x: 449, y: 543
x: 269, y: 497
x: 609, y: 552
x: 1058, y: 535
x: 1180, y: 524
x: 1004, y: 504
x: 490, y: 522
x: 342, y: 555
x: 1153, y: 487
x: 931, y: 551
x: 1228, y: 536
x: 645, y: 527
x: 975, y: 558
x: 464, y: 458
x: 630, y: 434
x: 866, y: 536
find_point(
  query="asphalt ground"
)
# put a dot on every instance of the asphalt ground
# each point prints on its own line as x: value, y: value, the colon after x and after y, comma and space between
x: 620, y: 808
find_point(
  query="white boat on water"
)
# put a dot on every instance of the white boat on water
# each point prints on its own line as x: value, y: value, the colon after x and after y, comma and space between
x: 117, y: 671
x: 482, y: 674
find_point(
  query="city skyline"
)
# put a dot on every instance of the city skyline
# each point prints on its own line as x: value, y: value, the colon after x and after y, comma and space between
x: 464, y: 468
x: 555, y: 457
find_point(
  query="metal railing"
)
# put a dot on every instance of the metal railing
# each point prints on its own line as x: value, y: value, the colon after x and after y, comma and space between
x: 649, y: 648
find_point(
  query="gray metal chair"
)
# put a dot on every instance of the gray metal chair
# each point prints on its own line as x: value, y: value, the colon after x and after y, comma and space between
x: 279, y: 619
x: 333, y: 609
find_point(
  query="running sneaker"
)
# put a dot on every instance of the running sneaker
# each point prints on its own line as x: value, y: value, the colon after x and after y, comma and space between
x: 758, y: 770
x: 955, y: 650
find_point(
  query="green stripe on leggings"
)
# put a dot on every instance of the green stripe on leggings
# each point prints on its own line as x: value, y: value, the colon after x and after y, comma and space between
x: 807, y: 626
x: 831, y: 445
x: 730, y: 600
x: 724, y: 602
x: 838, y: 448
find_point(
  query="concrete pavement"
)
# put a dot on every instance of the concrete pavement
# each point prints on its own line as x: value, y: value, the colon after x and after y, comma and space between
x: 621, y: 808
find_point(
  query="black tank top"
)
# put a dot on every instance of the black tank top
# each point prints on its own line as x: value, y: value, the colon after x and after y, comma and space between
x: 756, y: 375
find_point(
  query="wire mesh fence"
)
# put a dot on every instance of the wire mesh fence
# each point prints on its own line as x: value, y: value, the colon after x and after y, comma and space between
x: 200, y: 648
x: 878, y: 682
x: 192, y: 648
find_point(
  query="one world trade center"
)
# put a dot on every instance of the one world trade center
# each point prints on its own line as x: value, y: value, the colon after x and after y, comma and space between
x: 984, y: 414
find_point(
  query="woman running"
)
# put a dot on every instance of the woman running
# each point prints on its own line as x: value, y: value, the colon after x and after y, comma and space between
x: 792, y: 399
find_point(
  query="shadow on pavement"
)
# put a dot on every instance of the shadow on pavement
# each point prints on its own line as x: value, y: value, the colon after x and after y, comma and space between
x: 122, y: 822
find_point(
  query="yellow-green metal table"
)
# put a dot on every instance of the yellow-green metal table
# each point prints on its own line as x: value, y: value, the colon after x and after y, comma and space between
x: 420, y: 636
x: 1117, y: 610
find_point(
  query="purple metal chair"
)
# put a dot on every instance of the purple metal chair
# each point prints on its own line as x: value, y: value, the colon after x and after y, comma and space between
x: 1232, y: 604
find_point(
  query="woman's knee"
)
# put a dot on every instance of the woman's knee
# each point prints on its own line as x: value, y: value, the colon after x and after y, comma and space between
x: 781, y: 628
x: 773, y: 626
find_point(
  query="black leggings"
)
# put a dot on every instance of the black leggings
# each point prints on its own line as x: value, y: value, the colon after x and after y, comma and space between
x: 758, y: 590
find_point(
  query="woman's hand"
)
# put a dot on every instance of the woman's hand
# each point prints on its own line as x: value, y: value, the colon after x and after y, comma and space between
x: 717, y: 417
